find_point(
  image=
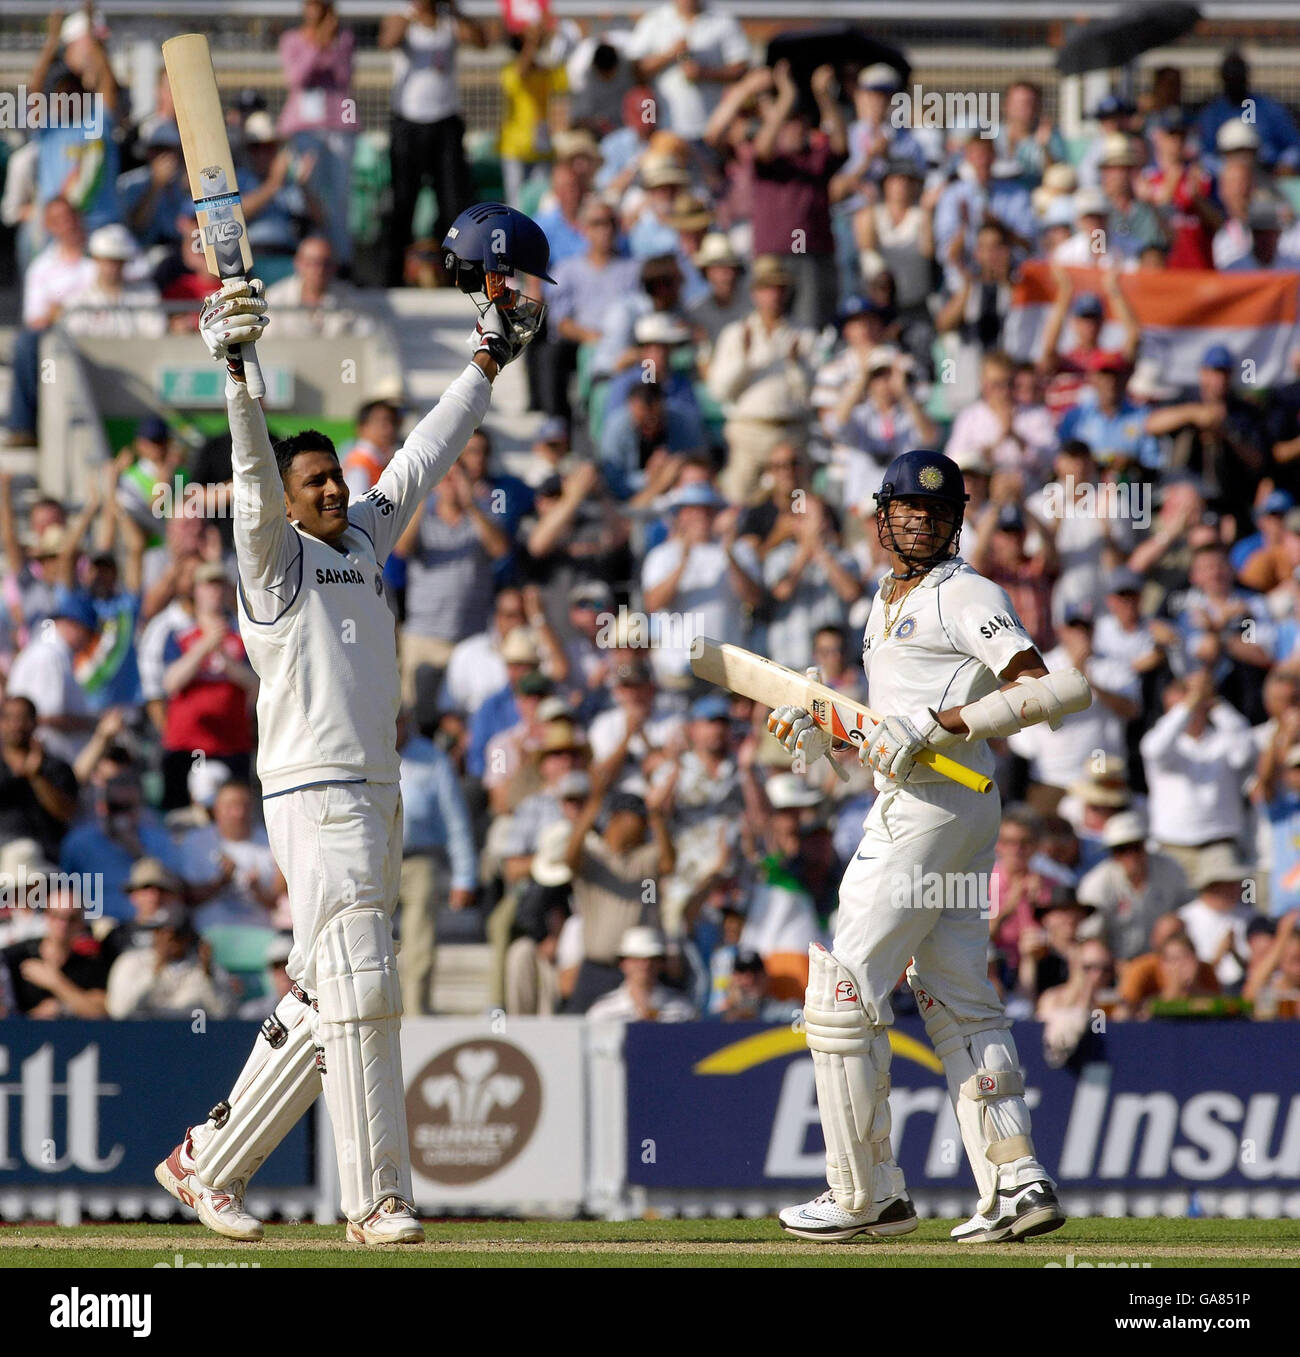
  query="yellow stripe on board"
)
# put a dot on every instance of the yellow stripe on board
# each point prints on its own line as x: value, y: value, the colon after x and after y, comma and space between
x: 781, y: 1041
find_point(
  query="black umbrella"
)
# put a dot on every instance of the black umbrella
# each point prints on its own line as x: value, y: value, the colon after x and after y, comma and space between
x: 841, y: 46
x: 1115, y: 42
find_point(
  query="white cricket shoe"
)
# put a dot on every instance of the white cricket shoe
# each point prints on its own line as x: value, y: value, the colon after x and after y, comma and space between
x: 824, y: 1219
x: 392, y: 1222
x: 220, y: 1209
x: 1017, y: 1213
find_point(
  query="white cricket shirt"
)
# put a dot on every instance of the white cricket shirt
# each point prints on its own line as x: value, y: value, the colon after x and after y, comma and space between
x: 313, y: 618
x: 954, y: 635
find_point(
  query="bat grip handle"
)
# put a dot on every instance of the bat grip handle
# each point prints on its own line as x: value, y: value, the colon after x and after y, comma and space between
x: 246, y: 357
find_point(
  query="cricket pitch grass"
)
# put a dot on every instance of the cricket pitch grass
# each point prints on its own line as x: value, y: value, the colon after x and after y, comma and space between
x: 1083, y: 1243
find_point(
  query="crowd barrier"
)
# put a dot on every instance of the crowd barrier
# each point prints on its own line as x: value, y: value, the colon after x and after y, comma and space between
x: 555, y: 1117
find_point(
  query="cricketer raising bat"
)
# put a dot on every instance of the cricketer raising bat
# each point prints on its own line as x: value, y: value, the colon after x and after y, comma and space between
x: 212, y: 172
x: 754, y: 676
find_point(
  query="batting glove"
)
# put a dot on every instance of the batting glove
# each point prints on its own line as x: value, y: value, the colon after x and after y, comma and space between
x: 799, y: 733
x: 235, y: 314
x: 896, y: 742
x: 506, y: 327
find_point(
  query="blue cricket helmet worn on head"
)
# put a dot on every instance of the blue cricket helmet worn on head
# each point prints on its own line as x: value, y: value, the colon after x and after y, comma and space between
x: 921, y: 474
x: 493, y: 239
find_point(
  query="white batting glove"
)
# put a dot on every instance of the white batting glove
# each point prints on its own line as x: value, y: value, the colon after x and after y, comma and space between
x: 505, y: 329
x: 235, y: 314
x: 896, y: 742
x: 799, y: 733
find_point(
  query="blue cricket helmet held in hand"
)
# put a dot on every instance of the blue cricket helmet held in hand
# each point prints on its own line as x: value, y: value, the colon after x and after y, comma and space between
x: 490, y: 242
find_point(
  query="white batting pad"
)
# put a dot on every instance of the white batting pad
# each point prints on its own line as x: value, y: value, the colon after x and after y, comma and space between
x: 360, y: 1003
x: 987, y: 1087
x: 278, y: 1083
x: 851, y: 1063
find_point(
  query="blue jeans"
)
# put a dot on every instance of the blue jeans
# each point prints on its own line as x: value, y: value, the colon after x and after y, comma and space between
x: 26, y: 381
x: 331, y: 182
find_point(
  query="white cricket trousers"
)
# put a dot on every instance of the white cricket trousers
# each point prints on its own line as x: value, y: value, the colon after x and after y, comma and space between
x: 940, y: 837
x: 339, y: 845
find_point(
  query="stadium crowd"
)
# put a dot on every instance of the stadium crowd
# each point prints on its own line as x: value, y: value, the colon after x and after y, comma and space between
x: 765, y: 290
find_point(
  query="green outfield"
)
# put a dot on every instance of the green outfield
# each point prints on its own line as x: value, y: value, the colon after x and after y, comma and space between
x: 1093, y: 1242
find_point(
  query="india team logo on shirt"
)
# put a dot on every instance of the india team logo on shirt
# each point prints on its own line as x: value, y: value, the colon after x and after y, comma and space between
x: 931, y: 478
x: 905, y: 628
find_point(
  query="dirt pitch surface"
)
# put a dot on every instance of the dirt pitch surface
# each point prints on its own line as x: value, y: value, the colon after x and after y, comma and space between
x: 1084, y: 1243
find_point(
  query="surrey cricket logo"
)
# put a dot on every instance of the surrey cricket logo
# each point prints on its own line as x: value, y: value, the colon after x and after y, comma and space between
x: 471, y: 1110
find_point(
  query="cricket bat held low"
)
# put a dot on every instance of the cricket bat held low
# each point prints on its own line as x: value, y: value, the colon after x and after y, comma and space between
x: 754, y: 676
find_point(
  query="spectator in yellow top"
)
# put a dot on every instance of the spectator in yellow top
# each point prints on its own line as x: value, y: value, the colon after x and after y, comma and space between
x: 527, y: 87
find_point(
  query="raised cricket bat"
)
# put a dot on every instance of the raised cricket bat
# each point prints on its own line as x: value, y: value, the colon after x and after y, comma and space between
x: 212, y: 173
x: 755, y: 676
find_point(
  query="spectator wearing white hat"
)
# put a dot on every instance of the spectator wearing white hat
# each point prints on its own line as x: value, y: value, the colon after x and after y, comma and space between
x: 171, y: 977
x: 111, y: 308
x: 24, y: 867
x: 1088, y: 247
x: 1216, y: 920
x: 695, y: 584
x: 642, y: 997
x: 663, y: 356
x: 1132, y: 224
x: 761, y: 374
x: 722, y: 270
x: 536, y: 966
x: 873, y: 138
x: 1273, y: 124
x: 1133, y: 887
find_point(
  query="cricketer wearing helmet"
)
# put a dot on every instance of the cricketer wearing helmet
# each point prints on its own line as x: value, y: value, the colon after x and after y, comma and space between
x: 321, y: 637
x: 947, y: 656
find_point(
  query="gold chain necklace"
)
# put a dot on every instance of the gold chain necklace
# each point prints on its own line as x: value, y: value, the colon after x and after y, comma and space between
x: 890, y: 623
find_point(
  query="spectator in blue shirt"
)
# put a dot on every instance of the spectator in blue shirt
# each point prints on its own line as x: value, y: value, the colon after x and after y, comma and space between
x: 974, y: 197
x: 118, y: 834
x: 662, y: 356
x: 1113, y: 427
x: 641, y: 441
x: 155, y: 194
x: 560, y: 224
x: 499, y: 712
x: 1278, y: 135
x: 579, y: 303
x: 439, y: 861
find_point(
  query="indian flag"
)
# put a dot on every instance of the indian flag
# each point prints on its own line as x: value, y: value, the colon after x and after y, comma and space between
x: 1181, y: 312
